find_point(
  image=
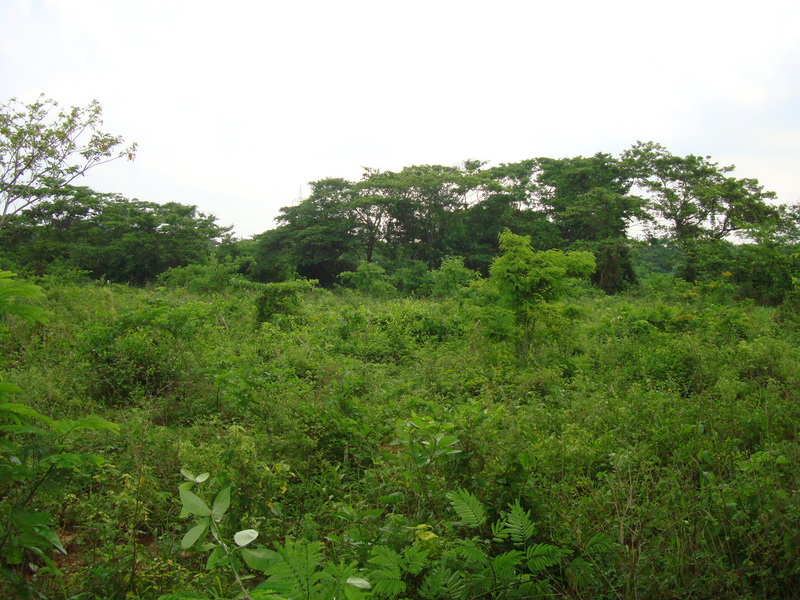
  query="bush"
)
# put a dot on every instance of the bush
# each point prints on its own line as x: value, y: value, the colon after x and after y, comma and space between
x: 281, y: 298
x: 369, y: 278
x: 449, y: 278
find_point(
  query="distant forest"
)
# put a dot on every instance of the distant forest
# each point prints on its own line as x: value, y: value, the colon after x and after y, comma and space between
x: 690, y: 216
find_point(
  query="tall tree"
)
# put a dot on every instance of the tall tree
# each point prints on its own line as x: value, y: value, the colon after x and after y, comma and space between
x: 42, y: 148
x: 589, y: 200
x: 112, y: 237
x: 424, y: 202
x: 370, y: 207
x: 507, y: 199
x: 694, y: 199
x: 315, y: 238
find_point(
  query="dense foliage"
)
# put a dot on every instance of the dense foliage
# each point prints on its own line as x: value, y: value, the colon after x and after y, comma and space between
x: 416, y: 387
x: 107, y: 236
x: 423, y: 214
x: 647, y: 447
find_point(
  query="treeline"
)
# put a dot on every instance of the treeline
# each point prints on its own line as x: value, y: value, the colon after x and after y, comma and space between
x: 645, y: 210
x: 74, y: 231
x: 647, y: 206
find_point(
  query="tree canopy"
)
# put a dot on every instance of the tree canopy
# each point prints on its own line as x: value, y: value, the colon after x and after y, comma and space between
x: 43, y: 147
x: 107, y: 235
x: 694, y: 200
x: 424, y: 213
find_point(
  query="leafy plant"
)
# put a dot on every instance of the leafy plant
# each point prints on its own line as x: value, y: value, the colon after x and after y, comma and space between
x: 425, y: 444
x: 281, y: 298
x: 369, y: 278
x: 33, y: 453
x: 295, y: 569
x: 525, y: 280
x: 450, y: 277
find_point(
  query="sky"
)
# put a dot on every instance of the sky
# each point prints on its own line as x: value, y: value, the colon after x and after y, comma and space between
x: 237, y: 105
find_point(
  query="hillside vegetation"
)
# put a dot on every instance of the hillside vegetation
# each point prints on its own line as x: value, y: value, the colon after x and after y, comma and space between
x: 645, y: 447
x: 443, y: 383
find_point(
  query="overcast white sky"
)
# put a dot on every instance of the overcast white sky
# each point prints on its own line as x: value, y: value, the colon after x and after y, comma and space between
x: 236, y: 105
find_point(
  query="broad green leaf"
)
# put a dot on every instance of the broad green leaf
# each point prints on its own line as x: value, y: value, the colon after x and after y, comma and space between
x: 359, y: 583
x: 418, y: 422
x: 393, y: 498
x: 447, y: 440
x: 194, y: 504
x: 221, y: 503
x: 195, y: 533
x: 51, y: 537
x: 217, y: 557
x: 260, y: 559
x: 195, y: 479
x: 244, y: 537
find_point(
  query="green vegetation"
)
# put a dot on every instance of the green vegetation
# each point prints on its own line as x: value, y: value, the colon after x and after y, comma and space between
x: 442, y: 383
x: 41, y: 149
x: 647, y: 446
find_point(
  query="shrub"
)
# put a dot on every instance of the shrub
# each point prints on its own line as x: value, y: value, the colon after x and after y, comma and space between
x: 369, y: 278
x: 281, y: 298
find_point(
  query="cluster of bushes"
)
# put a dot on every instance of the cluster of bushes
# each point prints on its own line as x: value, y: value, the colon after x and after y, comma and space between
x: 393, y: 447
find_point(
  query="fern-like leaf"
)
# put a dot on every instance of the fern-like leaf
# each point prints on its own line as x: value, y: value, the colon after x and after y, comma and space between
x: 580, y: 573
x: 504, y: 565
x: 599, y: 543
x: 387, y: 578
x: 468, y: 508
x: 433, y: 584
x: 499, y: 532
x: 518, y: 524
x: 414, y: 559
x: 455, y: 587
x: 542, y: 556
x: 471, y: 553
x: 297, y: 574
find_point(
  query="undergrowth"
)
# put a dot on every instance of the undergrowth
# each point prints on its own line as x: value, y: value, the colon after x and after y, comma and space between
x: 646, y: 447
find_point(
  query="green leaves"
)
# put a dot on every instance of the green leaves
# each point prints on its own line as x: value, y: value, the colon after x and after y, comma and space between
x: 11, y: 290
x: 193, y: 504
x: 425, y: 439
x: 41, y: 145
x: 468, y: 508
x: 221, y: 503
x: 260, y: 559
x: 195, y: 533
x: 518, y: 524
x: 245, y: 537
x: 526, y: 278
x: 542, y: 556
x: 34, y: 450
